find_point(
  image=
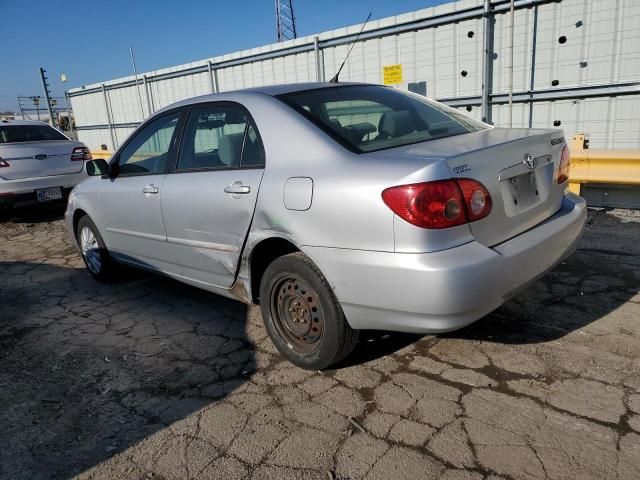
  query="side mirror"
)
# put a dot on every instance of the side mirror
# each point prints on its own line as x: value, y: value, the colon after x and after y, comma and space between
x: 97, y: 167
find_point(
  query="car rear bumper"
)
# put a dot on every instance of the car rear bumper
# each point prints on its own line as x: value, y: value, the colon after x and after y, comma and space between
x: 22, y: 191
x: 446, y: 290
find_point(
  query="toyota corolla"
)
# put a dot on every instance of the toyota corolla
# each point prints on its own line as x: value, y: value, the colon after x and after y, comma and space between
x: 335, y: 207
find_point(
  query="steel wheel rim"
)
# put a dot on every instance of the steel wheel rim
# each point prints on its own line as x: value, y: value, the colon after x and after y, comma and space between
x: 90, y: 250
x: 297, y: 313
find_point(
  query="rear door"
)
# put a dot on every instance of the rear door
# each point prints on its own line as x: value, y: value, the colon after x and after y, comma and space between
x: 36, y: 151
x: 129, y: 203
x: 209, y: 198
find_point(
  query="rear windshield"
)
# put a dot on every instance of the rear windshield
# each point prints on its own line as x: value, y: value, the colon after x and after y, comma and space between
x: 366, y: 118
x: 28, y: 133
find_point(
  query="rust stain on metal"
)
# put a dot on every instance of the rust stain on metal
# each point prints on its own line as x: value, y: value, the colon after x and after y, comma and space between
x: 240, y: 292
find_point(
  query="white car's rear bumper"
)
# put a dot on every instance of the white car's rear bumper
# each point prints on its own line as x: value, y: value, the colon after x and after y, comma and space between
x: 22, y: 191
x: 446, y: 290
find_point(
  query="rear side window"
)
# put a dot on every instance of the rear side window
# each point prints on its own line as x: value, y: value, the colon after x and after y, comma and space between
x: 252, y: 153
x: 366, y: 118
x: 219, y: 137
x: 28, y: 133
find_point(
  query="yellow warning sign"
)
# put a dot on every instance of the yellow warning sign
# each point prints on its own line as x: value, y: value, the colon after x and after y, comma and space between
x: 392, y: 74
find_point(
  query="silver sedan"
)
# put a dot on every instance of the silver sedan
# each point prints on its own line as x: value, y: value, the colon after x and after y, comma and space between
x: 38, y: 163
x: 336, y: 207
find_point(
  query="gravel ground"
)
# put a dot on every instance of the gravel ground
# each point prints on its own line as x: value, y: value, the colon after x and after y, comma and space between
x: 149, y: 378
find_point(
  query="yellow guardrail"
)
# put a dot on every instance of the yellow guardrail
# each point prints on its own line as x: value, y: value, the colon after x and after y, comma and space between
x: 611, y: 167
x: 101, y: 154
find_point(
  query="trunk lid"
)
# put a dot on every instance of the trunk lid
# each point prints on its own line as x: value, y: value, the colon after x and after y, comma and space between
x: 39, y: 159
x: 522, y: 195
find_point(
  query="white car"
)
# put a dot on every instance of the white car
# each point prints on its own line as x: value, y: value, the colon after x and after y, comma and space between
x: 38, y: 163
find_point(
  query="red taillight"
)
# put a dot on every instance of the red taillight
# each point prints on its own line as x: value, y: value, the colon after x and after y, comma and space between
x: 4, y: 163
x: 565, y: 165
x: 81, y: 153
x: 439, y: 204
x: 476, y: 198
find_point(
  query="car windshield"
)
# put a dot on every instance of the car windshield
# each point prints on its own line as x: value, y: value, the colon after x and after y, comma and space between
x: 366, y: 118
x: 28, y: 133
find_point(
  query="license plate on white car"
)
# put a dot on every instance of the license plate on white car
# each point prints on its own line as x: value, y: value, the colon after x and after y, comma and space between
x: 48, y: 194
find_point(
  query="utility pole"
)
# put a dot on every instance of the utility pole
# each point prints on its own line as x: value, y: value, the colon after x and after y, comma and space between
x: 47, y: 96
x: 36, y: 103
x: 20, y: 107
x: 135, y: 75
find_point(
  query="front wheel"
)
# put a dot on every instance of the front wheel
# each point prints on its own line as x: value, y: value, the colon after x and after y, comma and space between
x: 302, y: 314
x: 94, y: 252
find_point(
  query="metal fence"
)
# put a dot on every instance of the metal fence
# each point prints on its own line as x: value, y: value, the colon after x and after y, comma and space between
x: 576, y: 65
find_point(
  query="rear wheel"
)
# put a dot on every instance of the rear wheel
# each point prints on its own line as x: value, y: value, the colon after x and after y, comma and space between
x: 302, y: 315
x: 94, y: 252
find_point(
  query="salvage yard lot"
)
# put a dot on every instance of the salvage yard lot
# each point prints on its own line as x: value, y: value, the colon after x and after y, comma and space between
x: 149, y: 378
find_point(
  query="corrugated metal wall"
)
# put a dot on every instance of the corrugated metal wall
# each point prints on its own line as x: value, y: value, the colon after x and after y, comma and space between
x: 585, y: 83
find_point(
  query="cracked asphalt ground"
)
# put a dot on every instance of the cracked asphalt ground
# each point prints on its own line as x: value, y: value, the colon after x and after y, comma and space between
x: 148, y: 378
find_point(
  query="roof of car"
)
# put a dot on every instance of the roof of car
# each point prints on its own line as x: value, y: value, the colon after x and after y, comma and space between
x: 272, y: 90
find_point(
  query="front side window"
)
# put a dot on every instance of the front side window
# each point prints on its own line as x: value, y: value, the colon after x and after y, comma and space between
x: 29, y: 133
x: 219, y: 137
x: 366, y: 118
x: 148, y: 151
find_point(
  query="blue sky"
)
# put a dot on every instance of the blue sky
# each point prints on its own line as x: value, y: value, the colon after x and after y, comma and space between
x: 89, y: 40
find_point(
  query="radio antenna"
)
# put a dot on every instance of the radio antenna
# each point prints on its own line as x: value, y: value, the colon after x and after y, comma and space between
x: 335, y: 77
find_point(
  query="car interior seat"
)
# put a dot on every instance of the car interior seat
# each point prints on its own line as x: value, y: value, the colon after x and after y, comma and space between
x: 395, y: 124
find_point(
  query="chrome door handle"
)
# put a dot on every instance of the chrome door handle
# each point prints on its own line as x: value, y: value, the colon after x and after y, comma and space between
x: 151, y: 188
x: 237, y: 188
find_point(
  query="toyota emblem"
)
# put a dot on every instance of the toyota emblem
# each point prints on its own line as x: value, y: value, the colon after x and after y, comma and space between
x: 529, y: 161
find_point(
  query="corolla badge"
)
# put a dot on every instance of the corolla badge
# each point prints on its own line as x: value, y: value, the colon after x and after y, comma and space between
x: 461, y: 169
x: 529, y: 161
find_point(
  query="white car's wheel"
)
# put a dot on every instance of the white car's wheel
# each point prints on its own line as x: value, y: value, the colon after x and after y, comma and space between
x: 94, y: 252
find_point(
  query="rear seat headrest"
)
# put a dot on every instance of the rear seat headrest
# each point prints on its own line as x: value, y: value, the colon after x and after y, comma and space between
x: 230, y: 149
x: 396, y: 124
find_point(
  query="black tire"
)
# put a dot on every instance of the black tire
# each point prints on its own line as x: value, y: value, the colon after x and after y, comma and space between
x: 302, y: 314
x: 106, y: 269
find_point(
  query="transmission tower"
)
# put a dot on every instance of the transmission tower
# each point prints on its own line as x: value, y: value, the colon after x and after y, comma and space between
x: 285, y: 21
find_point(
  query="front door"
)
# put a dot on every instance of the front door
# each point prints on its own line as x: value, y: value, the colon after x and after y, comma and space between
x: 209, y: 198
x: 130, y: 202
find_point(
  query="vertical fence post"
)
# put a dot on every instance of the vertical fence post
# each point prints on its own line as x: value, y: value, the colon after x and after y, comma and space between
x: 533, y: 64
x: 216, y: 82
x: 213, y: 78
x: 487, y: 71
x: 511, y: 35
x: 106, y: 106
x: 319, y: 69
x: 147, y: 94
